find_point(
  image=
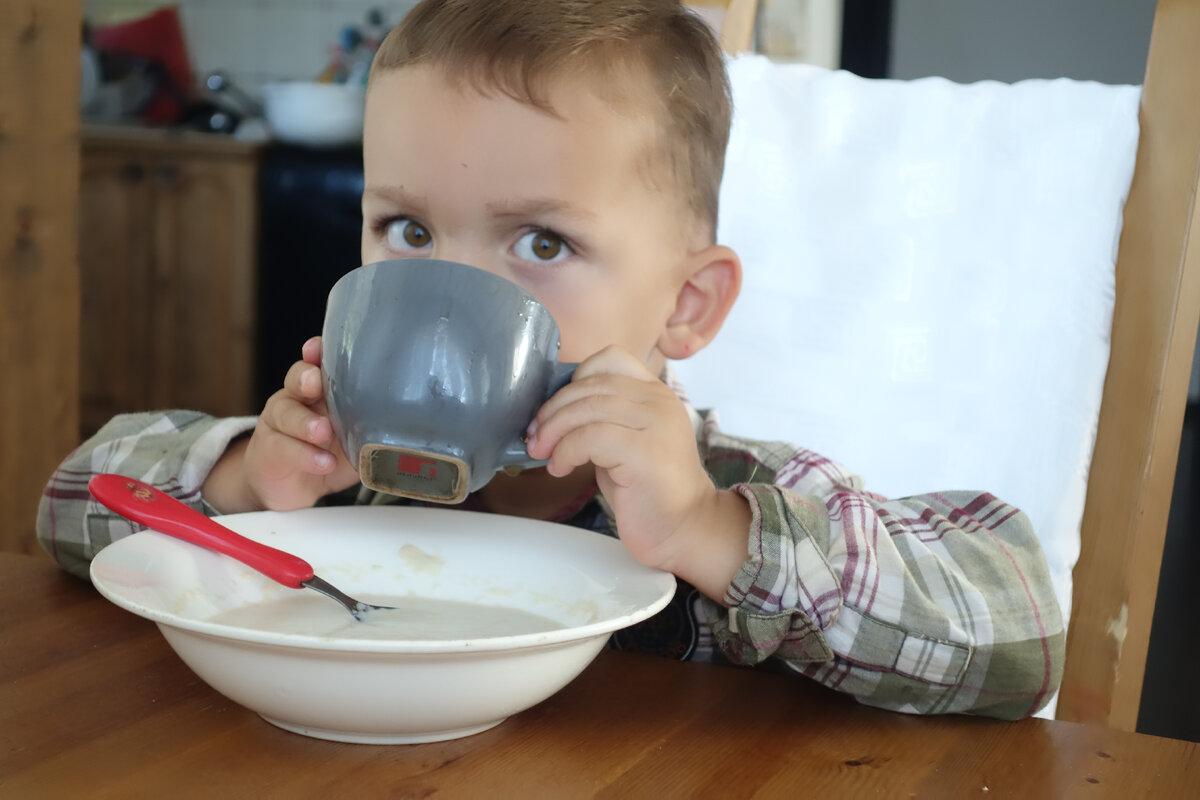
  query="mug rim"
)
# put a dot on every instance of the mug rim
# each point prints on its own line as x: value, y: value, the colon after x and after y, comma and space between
x: 475, y: 273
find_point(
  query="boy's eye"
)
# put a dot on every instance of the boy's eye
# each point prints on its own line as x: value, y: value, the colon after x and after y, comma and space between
x: 403, y: 234
x: 542, y: 245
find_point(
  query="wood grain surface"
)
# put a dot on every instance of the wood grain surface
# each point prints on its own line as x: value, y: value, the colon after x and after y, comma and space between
x: 39, y: 281
x: 93, y: 703
x: 1145, y: 391
x: 169, y: 279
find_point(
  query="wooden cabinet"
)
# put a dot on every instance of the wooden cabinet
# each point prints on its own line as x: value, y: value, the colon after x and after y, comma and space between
x: 168, y: 264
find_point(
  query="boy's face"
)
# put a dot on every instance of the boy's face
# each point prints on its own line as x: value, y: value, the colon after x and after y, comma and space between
x: 557, y: 204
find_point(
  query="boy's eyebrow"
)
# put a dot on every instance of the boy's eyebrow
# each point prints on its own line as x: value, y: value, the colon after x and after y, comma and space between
x: 396, y: 195
x: 537, y: 206
x: 518, y: 207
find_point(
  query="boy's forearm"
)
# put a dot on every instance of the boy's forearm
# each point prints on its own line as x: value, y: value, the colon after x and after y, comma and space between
x: 909, y: 604
x: 716, y: 547
x: 225, y: 488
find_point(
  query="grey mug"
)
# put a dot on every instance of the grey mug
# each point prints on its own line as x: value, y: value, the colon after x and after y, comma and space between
x: 432, y: 372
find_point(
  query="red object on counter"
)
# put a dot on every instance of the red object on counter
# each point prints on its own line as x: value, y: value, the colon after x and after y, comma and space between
x: 158, y: 37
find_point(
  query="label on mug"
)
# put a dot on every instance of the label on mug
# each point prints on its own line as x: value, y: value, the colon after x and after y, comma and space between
x: 413, y: 473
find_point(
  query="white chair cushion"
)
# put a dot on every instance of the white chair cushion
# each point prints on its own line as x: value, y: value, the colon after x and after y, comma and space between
x: 929, y: 280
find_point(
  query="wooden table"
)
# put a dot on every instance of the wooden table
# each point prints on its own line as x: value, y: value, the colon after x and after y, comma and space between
x: 93, y: 703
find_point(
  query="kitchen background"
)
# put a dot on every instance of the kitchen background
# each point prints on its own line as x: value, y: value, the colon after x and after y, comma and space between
x: 257, y: 41
x: 303, y: 202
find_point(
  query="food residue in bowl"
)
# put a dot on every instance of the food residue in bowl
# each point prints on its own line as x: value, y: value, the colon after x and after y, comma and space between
x: 420, y: 561
x: 412, y: 619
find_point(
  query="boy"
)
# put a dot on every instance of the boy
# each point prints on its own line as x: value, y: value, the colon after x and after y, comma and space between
x: 575, y: 147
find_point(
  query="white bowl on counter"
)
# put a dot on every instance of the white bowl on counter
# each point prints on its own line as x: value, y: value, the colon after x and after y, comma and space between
x: 314, y: 114
x: 300, y: 669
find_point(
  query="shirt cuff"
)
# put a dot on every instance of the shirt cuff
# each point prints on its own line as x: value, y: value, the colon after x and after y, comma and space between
x: 785, y: 594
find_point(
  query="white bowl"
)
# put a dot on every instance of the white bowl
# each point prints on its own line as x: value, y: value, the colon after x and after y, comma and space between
x: 314, y: 114
x: 387, y: 690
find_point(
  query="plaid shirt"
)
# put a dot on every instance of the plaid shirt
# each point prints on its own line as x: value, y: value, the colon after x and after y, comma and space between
x: 933, y: 604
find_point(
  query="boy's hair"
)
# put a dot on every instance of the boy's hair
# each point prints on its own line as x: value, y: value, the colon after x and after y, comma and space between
x: 521, y: 47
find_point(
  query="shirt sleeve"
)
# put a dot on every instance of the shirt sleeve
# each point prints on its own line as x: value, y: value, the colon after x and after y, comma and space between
x: 173, y: 451
x: 939, y: 603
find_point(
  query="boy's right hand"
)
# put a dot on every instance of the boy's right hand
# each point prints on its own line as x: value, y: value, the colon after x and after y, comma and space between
x: 292, y: 459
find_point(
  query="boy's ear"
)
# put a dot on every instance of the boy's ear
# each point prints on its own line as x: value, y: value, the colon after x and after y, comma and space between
x: 704, y: 300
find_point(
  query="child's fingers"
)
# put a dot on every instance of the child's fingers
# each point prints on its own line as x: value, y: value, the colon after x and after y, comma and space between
x: 576, y: 449
x: 611, y: 371
x: 614, y: 361
x: 311, y: 351
x: 303, y: 380
x: 603, y: 403
x: 292, y: 418
x: 573, y: 392
x: 300, y: 455
x: 607, y: 445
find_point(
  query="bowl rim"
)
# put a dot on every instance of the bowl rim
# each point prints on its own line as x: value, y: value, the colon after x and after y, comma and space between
x: 666, y: 585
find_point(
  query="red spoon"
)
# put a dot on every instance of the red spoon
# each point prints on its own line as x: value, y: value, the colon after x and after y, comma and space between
x: 142, y: 503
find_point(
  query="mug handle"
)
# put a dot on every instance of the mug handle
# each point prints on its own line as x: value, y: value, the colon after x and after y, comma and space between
x: 515, y: 454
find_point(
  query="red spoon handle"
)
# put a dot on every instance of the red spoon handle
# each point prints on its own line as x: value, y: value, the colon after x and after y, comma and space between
x: 143, y: 503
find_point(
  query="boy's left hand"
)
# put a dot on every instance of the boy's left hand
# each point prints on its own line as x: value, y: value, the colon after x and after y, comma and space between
x: 620, y: 417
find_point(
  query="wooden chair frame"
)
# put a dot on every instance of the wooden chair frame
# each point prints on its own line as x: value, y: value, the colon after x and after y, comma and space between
x: 737, y: 25
x: 1145, y: 390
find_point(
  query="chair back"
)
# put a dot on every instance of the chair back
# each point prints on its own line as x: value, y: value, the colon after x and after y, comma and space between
x: 1099, y: 396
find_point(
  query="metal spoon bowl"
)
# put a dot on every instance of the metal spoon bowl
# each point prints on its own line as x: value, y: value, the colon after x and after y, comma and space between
x: 155, y: 509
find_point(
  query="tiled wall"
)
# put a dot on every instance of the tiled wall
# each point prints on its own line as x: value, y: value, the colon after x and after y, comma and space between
x: 255, y: 41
